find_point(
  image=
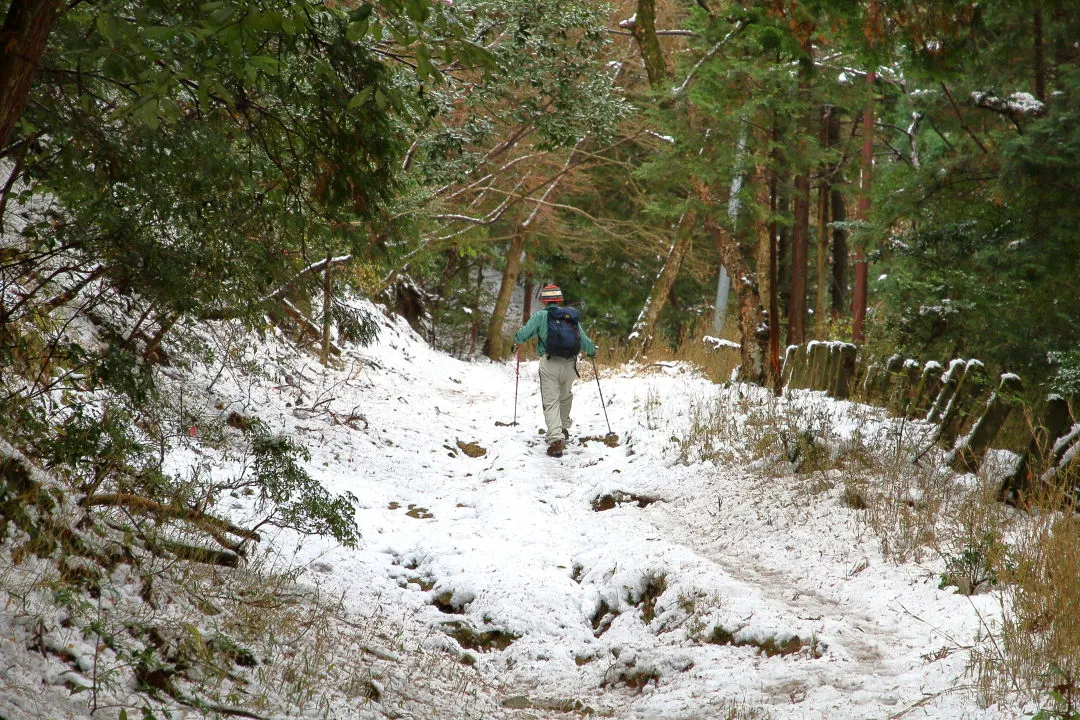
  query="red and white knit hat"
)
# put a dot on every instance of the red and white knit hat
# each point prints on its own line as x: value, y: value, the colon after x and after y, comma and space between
x: 551, y: 294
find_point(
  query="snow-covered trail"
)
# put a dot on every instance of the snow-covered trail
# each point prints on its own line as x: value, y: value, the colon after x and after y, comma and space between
x: 657, y: 607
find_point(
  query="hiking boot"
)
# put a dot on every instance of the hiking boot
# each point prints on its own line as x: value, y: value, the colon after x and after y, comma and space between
x: 566, y: 433
x: 555, y: 449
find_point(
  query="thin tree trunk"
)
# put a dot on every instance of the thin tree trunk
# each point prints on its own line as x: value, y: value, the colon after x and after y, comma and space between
x: 800, y: 240
x: 493, y: 346
x: 821, y: 300
x: 859, y: 298
x: 22, y: 43
x: 474, y: 335
x: 774, y: 296
x: 1040, y: 55
x: 837, y: 213
x: 526, y: 304
x: 821, y: 297
x: 839, y: 255
x: 754, y: 344
x: 858, y: 301
x: 645, y: 326
x: 644, y: 30
x: 324, y: 358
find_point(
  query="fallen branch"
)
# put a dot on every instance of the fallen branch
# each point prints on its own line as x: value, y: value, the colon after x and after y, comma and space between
x: 146, y: 505
x: 294, y: 312
x: 195, y: 553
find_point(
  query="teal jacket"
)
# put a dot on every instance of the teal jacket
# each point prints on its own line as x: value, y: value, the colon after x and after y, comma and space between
x: 537, y: 326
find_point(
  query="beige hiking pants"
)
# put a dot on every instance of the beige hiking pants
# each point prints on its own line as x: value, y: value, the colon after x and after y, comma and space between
x: 557, y: 376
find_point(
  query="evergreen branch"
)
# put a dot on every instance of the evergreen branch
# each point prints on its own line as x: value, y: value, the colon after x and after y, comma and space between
x: 152, y: 507
x: 312, y: 268
x: 960, y: 117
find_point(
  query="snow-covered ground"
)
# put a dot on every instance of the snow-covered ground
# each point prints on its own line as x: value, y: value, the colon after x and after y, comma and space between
x: 633, y: 580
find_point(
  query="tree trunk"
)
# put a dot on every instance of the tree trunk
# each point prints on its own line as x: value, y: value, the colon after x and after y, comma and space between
x: 645, y: 325
x: 800, y: 231
x: 328, y: 287
x: 754, y: 344
x: 493, y: 342
x: 22, y: 43
x: 839, y: 283
x: 526, y: 304
x: 858, y: 301
x: 644, y: 30
x: 774, y: 295
x: 821, y: 298
x: 800, y: 239
x: 1040, y: 55
x: 474, y: 329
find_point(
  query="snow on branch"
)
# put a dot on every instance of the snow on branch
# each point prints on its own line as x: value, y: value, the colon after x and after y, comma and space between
x: 314, y: 267
x: 1020, y: 103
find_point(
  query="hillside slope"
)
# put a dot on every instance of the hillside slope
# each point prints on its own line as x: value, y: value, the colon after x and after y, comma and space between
x: 679, y: 573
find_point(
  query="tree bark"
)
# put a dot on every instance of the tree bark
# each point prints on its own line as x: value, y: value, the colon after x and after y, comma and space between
x: 328, y: 287
x: 644, y: 30
x: 528, y: 288
x: 645, y: 325
x: 800, y: 238
x: 858, y: 302
x: 1040, y: 55
x: 774, y: 294
x: 821, y: 298
x: 754, y: 345
x: 800, y: 231
x: 22, y: 43
x: 493, y: 345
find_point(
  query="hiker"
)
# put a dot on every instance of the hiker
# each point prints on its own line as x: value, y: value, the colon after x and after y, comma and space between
x: 559, y: 340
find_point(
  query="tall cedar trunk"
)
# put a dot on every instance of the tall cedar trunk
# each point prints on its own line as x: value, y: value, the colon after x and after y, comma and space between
x: 774, y: 296
x: 493, y: 346
x: 783, y: 240
x: 644, y: 31
x: 839, y: 254
x: 821, y: 297
x: 645, y: 325
x: 858, y: 300
x: 800, y: 238
x: 800, y: 231
x: 754, y: 345
x: 22, y: 43
x: 1040, y: 56
x: 837, y: 214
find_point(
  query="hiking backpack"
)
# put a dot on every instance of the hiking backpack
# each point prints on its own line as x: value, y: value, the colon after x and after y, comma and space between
x: 563, y: 334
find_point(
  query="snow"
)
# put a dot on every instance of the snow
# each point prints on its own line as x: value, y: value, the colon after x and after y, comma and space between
x: 656, y: 607
x: 718, y: 343
x: 1017, y: 102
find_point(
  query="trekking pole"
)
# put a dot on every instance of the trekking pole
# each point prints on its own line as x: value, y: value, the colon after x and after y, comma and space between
x: 517, y: 378
x: 597, y: 374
